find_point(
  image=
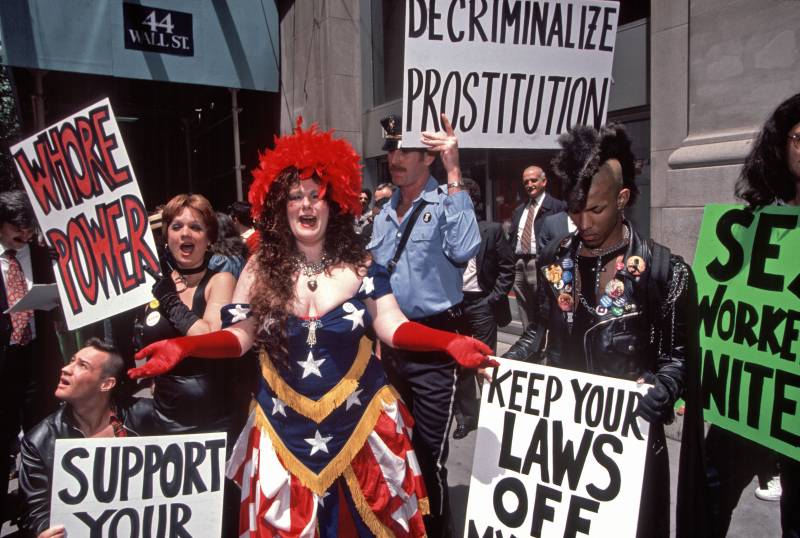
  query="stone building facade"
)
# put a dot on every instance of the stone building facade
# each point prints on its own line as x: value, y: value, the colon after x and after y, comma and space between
x: 694, y: 80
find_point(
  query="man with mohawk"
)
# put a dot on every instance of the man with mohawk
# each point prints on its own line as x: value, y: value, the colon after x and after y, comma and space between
x: 616, y: 305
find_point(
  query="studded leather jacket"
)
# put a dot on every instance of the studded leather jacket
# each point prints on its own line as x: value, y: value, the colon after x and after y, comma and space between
x: 642, y: 333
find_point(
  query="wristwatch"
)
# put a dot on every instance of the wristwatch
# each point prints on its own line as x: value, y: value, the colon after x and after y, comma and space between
x: 455, y: 185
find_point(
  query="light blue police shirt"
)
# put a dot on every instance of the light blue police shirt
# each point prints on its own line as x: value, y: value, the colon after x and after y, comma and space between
x: 428, y: 276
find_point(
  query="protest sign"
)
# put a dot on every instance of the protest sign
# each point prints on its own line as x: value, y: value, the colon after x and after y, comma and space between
x: 139, y: 486
x: 87, y: 201
x: 557, y: 453
x: 509, y: 74
x: 748, y: 285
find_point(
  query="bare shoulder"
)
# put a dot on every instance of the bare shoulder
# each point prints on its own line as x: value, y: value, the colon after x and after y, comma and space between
x: 221, y: 284
x: 222, y: 279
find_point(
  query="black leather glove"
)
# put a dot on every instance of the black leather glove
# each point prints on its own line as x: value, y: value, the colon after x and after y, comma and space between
x: 164, y: 287
x: 171, y: 305
x: 657, y: 405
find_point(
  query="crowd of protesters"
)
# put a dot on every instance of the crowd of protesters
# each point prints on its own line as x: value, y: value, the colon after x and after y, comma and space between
x: 276, y: 303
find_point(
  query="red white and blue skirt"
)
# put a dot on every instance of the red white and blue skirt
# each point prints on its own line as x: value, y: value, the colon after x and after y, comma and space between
x: 340, y: 465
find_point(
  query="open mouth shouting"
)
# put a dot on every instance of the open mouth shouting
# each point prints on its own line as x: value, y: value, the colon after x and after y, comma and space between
x: 187, y: 249
x: 63, y: 381
x: 308, y: 221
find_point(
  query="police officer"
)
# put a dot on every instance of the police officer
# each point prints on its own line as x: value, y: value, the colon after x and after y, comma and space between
x: 427, y: 266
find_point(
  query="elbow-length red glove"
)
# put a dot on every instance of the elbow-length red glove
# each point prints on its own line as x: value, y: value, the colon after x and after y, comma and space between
x: 166, y: 354
x: 467, y: 351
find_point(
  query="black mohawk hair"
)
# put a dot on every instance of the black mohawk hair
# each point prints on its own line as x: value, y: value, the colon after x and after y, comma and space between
x: 584, y: 149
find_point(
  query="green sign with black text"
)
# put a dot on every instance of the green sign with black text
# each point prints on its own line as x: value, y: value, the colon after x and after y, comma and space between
x: 747, y: 267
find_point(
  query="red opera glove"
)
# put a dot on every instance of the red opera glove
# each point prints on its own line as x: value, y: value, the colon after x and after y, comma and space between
x: 166, y: 354
x: 467, y: 351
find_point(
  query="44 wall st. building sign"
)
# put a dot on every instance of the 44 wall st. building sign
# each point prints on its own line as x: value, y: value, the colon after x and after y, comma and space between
x: 228, y: 44
x: 158, y: 30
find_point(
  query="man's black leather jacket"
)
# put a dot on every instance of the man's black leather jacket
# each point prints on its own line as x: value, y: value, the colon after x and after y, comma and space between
x: 648, y: 340
x: 38, y: 451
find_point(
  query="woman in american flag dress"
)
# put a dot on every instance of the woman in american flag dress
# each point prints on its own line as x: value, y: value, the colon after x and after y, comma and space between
x: 326, y: 451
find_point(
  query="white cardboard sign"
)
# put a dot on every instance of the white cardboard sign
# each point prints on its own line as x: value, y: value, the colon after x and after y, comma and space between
x: 509, y: 74
x: 85, y: 196
x: 557, y: 453
x: 134, y: 486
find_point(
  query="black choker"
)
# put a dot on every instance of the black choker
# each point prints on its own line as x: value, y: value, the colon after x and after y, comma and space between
x: 194, y: 270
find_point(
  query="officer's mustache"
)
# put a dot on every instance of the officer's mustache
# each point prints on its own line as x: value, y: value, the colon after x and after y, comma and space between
x: 397, y: 169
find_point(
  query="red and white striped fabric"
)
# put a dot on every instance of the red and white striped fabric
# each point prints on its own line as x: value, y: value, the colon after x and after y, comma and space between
x: 380, y: 493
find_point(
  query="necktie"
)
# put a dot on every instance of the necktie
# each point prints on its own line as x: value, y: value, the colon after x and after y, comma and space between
x: 16, y: 288
x: 527, y: 231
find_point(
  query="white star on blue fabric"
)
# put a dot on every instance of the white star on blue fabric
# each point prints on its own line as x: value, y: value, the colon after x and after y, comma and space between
x: 239, y: 313
x: 278, y: 406
x: 311, y: 366
x: 355, y: 315
x: 353, y: 399
x: 367, y: 285
x: 319, y: 443
x: 321, y: 498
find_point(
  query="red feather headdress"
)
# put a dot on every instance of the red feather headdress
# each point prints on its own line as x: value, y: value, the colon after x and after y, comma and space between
x: 312, y: 153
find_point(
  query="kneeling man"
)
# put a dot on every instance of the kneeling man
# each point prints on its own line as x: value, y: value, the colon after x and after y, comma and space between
x: 87, y: 410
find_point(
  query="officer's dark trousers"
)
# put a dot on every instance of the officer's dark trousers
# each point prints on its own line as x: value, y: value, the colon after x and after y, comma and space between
x: 427, y: 384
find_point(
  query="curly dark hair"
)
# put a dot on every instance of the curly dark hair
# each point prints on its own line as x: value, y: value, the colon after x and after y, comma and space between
x: 765, y: 175
x: 276, y: 277
x: 584, y: 150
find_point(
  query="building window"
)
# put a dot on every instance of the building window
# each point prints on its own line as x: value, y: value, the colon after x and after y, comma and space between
x: 388, y: 22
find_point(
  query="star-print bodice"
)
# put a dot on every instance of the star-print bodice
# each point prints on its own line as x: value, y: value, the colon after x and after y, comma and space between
x: 321, y: 351
x: 321, y: 406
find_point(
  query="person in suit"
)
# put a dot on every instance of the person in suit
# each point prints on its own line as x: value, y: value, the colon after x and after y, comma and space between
x: 361, y: 222
x: 524, y: 222
x: 383, y: 193
x: 29, y: 356
x: 553, y: 228
x: 487, y: 281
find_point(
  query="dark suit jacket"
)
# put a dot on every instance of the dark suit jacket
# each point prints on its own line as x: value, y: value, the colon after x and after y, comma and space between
x: 550, y: 206
x: 495, y: 263
x: 43, y: 355
x: 42, y: 267
x: 552, y: 228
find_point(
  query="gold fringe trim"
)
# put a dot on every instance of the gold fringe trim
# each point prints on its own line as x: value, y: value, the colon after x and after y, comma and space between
x: 319, y: 483
x: 424, y: 506
x: 318, y: 410
x: 364, y: 509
